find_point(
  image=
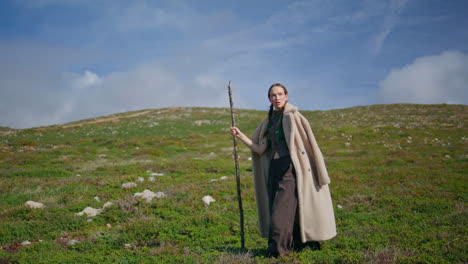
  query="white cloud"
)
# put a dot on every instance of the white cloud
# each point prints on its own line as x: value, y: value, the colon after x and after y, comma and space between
x: 428, y: 80
x: 30, y: 84
x: 34, y: 93
x: 148, y: 86
x: 89, y: 78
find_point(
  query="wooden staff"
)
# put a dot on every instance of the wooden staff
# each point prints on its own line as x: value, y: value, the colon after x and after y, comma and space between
x: 236, y: 160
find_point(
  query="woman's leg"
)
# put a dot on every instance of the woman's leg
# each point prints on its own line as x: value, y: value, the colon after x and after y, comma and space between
x: 283, y: 204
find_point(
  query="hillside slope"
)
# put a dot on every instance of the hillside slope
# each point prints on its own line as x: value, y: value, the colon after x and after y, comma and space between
x: 398, y: 185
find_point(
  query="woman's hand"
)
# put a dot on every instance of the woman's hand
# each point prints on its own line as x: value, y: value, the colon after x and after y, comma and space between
x: 235, y: 132
x: 257, y: 148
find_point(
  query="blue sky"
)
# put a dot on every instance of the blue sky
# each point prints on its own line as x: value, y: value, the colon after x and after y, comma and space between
x: 64, y: 60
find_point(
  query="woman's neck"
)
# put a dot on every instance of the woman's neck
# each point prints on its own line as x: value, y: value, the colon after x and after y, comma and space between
x: 278, y: 109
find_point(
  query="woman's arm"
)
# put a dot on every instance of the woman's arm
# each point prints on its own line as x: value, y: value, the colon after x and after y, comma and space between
x: 257, y: 148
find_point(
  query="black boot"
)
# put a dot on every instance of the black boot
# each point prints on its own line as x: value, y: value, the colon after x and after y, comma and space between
x: 272, y: 250
x: 314, y: 245
x: 298, y: 246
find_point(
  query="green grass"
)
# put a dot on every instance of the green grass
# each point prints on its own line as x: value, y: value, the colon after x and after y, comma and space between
x: 398, y: 173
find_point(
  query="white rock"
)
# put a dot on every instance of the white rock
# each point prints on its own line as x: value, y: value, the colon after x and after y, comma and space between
x: 25, y: 243
x: 213, y: 180
x: 151, y: 179
x: 149, y: 195
x: 202, y: 122
x: 160, y: 195
x: 107, y: 205
x: 128, y: 185
x: 140, y: 179
x: 224, y: 178
x: 72, y: 242
x: 347, y: 144
x: 34, y: 205
x: 129, y: 246
x: 447, y: 156
x: 97, y: 199
x: 102, y: 155
x: 157, y: 174
x: 249, y: 158
x: 339, y: 206
x: 207, y: 200
x: 91, y: 212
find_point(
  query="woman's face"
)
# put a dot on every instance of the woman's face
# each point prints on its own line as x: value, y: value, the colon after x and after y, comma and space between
x: 278, y: 97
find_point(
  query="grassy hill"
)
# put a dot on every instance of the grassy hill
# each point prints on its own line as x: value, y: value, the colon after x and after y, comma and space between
x: 399, y: 187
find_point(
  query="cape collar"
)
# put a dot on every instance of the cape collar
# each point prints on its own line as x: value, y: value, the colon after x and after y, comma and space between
x: 289, y: 108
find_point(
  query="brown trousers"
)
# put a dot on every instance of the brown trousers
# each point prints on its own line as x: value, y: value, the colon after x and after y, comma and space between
x: 282, y: 196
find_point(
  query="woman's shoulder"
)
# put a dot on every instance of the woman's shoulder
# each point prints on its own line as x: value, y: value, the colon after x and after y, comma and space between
x: 290, y: 109
x: 294, y: 115
x: 263, y: 123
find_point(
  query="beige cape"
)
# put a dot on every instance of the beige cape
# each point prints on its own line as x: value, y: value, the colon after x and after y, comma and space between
x: 316, y: 216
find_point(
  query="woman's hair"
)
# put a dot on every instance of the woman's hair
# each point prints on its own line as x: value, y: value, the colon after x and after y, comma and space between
x: 270, y: 112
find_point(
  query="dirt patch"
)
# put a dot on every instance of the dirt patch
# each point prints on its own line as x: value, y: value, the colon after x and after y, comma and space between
x: 14, y: 247
x: 387, y: 255
x: 356, y: 200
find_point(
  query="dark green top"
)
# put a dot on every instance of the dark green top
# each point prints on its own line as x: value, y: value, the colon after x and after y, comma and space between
x: 276, y: 139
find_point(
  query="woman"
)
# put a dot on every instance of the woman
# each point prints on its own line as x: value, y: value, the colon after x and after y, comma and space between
x: 291, y: 181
